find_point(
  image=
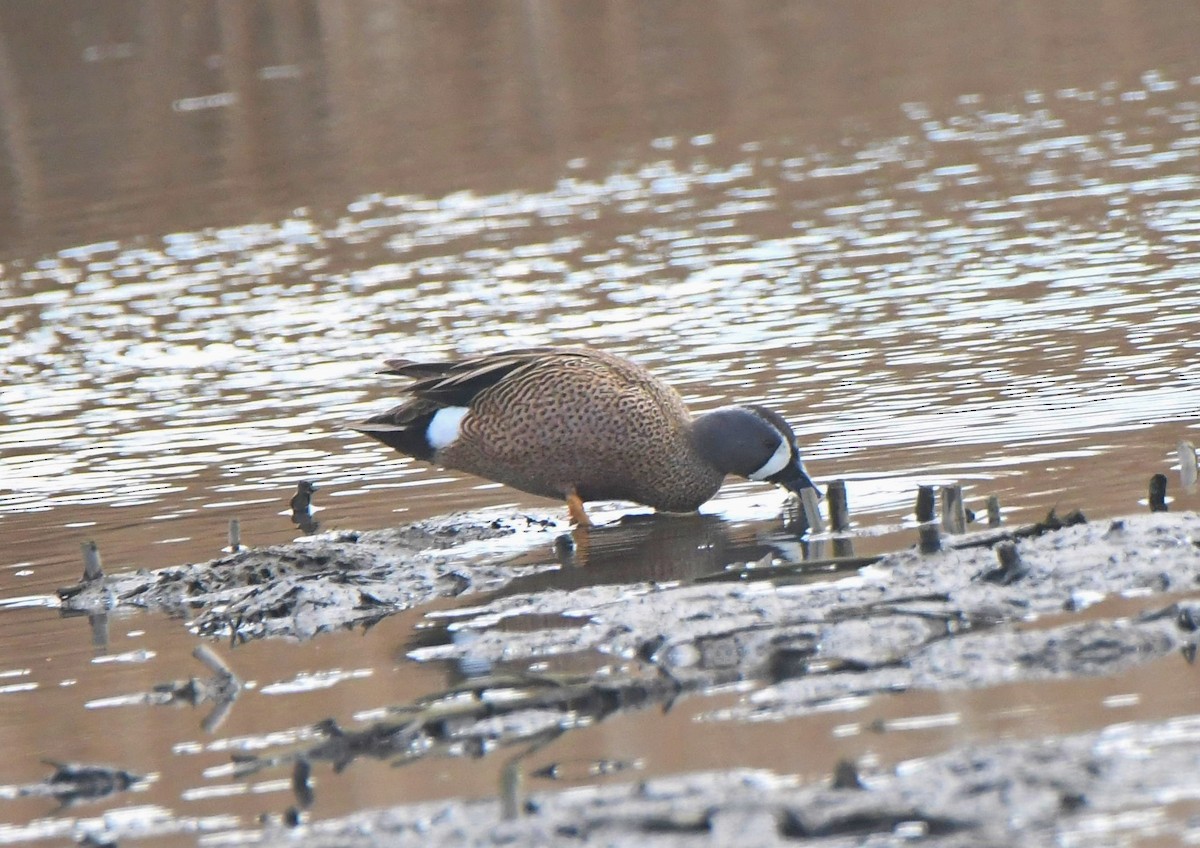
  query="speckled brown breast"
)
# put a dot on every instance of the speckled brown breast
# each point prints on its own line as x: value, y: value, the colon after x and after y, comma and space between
x: 600, y: 424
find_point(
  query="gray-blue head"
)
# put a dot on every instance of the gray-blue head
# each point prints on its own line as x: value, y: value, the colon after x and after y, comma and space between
x: 751, y: 442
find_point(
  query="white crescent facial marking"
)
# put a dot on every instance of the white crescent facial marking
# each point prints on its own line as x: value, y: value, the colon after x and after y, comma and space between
x: 445, y: 426
x: 777, y: 462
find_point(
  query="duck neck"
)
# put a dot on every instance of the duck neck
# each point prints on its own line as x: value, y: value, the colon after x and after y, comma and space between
x: 709, y: 436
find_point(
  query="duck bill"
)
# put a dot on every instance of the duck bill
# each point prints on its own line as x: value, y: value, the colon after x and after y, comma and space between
x: 795, y: 479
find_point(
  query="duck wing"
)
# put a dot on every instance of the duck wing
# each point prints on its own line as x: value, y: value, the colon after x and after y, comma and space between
x: 458, y: 383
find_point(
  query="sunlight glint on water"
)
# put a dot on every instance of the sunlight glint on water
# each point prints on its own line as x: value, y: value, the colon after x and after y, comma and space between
x: 1014, y: 326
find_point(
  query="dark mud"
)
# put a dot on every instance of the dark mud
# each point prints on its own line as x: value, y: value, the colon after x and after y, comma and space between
x: 996, y: 608
x: 934, y: 621
x: 325, y: 582
x: 1087, y: 789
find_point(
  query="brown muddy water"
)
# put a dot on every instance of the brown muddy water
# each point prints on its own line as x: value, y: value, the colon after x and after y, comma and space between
x: 950, y: 241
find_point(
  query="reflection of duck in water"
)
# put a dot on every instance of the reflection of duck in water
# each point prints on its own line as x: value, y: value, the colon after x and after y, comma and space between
x: 642, y: 547
x: 582, y: 425
x: 302, y: 515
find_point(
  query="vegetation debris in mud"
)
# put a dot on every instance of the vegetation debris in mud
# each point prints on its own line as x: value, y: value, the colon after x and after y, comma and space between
x: 332, y: 581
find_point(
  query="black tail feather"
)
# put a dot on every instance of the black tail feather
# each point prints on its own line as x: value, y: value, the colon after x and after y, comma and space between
x: 404, y: 428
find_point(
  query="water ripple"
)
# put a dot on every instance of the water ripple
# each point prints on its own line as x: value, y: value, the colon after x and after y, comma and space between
x: 997, y: 278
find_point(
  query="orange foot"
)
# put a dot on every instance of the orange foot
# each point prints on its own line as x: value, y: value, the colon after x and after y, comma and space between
x: 575, y: 509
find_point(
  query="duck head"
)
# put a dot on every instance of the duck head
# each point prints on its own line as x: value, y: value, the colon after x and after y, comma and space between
x: 752, y: 442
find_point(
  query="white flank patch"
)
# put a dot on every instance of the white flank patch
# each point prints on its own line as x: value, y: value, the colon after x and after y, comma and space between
x: 445, y: 426
x: 777, y: 462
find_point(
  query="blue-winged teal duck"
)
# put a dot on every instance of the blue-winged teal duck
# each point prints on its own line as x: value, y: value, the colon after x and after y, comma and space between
x: 581, y: 425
